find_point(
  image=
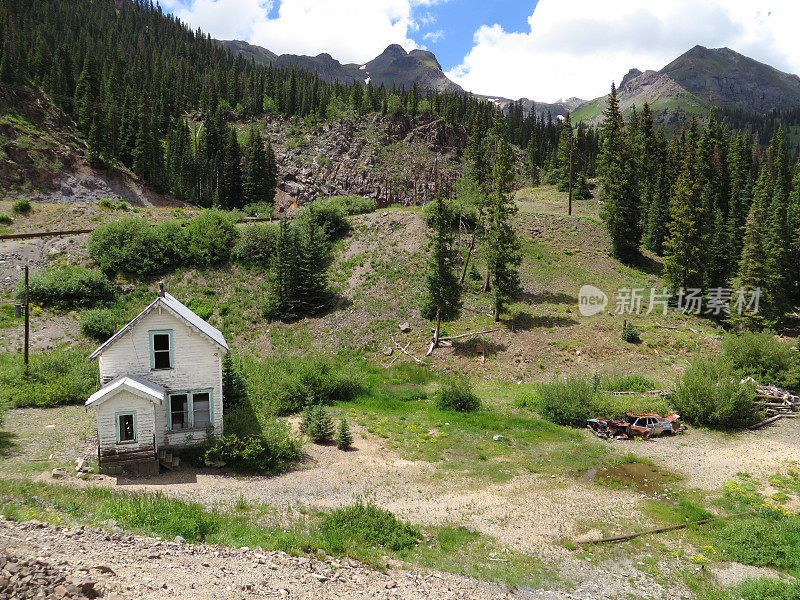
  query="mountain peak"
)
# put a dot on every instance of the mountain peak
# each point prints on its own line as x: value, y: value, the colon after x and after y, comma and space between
x: 723, y: 77
x: 632, y: 74
x: 394, y: 50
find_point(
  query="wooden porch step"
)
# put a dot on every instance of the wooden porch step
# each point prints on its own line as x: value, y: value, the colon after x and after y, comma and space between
x: 168, y: 461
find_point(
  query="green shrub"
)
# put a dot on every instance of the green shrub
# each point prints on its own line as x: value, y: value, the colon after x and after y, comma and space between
x: 766, y: 588
x: 63, y: 376
x: 317, y: 424
x: 569, y: 402
x: 100, y: 323
x: 627, y: 383
x: 366, y: 524
x: 710, y: 394
x: 255, y: 246
x: 106, y: 203
x: 202, y: 307
x: 765, y: 358
x: 234, y: 383
x: 330, y: 216
x: 271, y: 452
x: 67, y: 288
x: 352, y: 205
x: 135, y: 249
x: 456, y: 214
x: 283, y: 386
x: 5, y: 219
x: 344, y: 438
x: 22, y: 206
x: 630, y: 334
x: 456, y: 394
x: 259, y: 209
x: 210, y: 238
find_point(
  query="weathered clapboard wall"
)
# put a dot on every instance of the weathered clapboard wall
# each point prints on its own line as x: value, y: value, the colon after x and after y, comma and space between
x: 197, y: 365
x: 126, y: 402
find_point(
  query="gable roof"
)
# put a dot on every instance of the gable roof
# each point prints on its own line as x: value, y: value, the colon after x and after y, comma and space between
x: 181, y: 311
x: 129, y: 383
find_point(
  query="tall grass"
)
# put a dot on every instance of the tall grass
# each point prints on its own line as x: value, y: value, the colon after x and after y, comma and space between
x: 63, y: 376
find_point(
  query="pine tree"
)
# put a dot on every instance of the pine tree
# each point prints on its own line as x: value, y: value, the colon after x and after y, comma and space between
x: 718, y: 253
x: 281, y: 300
x: 142, y: 151
x: 256, y: 184
x: 565, y: 155
x: 310, y: 268
x: 656, y: 220
x: 87, y: 95
x: 618, y: 191
x: 230, y: 195
x: 344, y: 439
x: 687, y: 244
x: 503, y: 252
x: 478, y: 169
x: 442, y: 300
x: 752, y: 268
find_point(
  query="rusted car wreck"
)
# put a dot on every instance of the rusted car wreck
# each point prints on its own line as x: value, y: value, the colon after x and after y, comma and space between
x: 644, y: 426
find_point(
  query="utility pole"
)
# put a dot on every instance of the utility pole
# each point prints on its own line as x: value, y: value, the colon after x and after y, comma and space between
x: 571, y: 144
x: 27, y: 321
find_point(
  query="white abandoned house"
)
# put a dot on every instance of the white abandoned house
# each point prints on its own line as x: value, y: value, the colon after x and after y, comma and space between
x: 161, y: 387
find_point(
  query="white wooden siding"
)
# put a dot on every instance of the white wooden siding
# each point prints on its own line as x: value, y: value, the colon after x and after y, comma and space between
x: 197, y: 365
x: 124, y: 402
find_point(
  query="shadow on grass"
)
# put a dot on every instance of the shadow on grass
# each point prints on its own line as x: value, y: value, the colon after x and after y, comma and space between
x: 645, y: 263
x: 524, y: 321
x: 8, y: 444
x: 475, y: 346
x: 548, y: 297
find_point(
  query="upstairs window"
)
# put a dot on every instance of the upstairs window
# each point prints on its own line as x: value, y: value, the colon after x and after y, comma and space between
x: 161, y: 350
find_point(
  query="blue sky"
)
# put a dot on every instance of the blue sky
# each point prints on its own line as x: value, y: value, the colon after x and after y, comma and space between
x: 539, y: 49
x: 459, y: 19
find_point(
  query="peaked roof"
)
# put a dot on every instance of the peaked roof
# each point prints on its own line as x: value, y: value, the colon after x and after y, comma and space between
x: 130, y: 383
x: 179, y: 310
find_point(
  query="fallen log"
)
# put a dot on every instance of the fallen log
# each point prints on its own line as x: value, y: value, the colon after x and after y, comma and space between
x: 407, y: 353
x: 630, y: 536
x: 765, y: 422
x: 463, y: 335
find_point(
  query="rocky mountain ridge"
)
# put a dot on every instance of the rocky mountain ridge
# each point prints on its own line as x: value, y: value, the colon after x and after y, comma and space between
x: 696, y: 81
x: 393, y: 67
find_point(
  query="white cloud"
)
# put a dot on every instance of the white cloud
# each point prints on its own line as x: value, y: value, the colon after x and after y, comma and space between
x: 433, y: 36
x: 577, y: 47
x: 350, y: 30
x: 223, y: 19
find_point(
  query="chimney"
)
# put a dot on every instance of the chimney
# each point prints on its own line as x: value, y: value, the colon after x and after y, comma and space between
x: 161, y: 289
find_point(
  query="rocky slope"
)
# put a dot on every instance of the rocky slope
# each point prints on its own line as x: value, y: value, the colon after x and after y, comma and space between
x: 391, y: 159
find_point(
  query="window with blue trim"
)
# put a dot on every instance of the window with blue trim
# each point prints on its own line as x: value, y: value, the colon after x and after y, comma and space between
x: 161, y: 350
x: 190, y: 410
x: 126, y: 427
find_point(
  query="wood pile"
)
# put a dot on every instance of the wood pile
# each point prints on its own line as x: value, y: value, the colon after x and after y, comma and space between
x: 775, y: 403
